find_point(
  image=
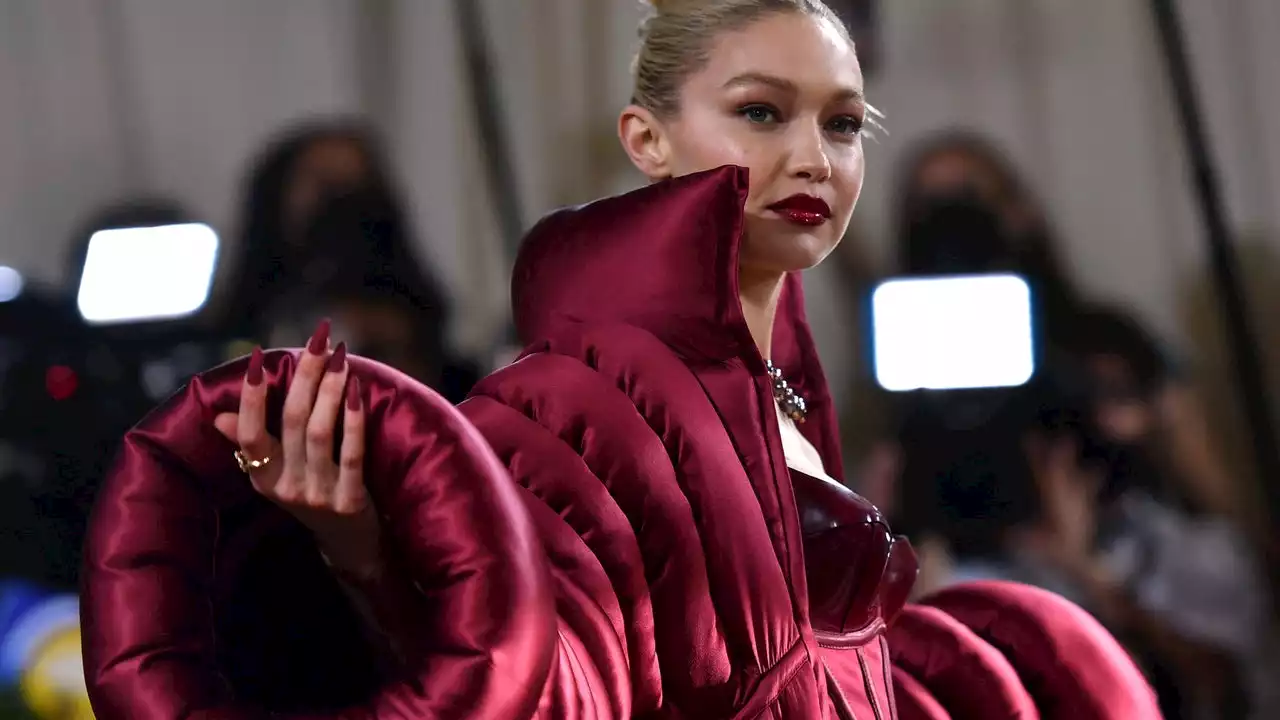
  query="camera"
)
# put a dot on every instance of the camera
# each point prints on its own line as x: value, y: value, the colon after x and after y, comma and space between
x: 78, y: 370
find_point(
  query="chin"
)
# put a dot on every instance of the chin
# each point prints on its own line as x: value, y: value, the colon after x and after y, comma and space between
x: 792, y: 249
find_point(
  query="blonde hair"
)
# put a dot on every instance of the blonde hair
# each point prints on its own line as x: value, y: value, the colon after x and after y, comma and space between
x: 676, y: 40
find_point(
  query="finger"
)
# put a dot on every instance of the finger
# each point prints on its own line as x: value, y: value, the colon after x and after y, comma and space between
x: 297, y: 406
x: 322, y: 475
x: 351, y: 496
x: 228, y: 424
x: 251, y: 424
x: 1064, y: 452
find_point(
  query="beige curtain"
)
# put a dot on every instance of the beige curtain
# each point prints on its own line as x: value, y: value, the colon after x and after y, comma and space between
x: 105, y: 98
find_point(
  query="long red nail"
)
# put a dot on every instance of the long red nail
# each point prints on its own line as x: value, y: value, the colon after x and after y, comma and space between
x: 320, y: 340
x: 338, y: 360
x: 254, y: 374
x: 353, y: 394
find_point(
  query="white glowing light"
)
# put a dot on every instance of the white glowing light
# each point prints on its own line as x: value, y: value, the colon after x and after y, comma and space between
x: 10, y: 283
x: 953, y: 333
x: 151, y: 273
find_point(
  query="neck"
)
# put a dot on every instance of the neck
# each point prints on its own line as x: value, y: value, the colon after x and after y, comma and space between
x: 759, y: 292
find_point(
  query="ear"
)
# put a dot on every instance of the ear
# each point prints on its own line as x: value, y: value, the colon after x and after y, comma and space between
x: 645, y: 141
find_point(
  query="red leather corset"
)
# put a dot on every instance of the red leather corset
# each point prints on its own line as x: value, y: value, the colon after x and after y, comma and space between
x: 860, y: 574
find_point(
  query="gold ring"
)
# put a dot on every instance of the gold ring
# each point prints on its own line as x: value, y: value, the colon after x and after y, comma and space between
x: 247, y: 465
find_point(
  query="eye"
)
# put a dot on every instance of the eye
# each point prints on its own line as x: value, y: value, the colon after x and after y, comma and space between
x: 759, y: 114
x: 845, y: 125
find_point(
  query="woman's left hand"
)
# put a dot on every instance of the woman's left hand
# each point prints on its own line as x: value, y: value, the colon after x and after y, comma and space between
x: 299, y: 473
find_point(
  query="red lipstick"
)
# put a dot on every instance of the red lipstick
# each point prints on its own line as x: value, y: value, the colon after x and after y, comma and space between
x: 803, y: 210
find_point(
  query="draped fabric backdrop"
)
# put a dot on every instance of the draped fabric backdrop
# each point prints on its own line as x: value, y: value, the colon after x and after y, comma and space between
x: 106, y: 99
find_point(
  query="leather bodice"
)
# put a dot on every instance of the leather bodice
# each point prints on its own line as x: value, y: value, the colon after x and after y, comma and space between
x: 859, y: 573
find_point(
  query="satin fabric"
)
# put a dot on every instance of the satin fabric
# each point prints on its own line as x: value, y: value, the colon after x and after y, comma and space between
x: 1069, y: 664
x: 967, y: 676
x: 607, y: 528
x: 648, y: 356
x: 203, y: 600
x: 1002, y: 649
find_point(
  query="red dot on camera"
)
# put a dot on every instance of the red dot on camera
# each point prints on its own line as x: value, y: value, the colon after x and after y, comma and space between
x: 60, y: 382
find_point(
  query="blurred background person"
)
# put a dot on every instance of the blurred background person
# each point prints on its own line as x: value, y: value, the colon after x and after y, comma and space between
x: 963, y: 207
x: 1102, y: 486
x: 324, y: 234
x: 1146, y: 530
x: 1098, y: 478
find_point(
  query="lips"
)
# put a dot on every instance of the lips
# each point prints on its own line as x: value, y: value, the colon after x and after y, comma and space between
x: 803, y: 210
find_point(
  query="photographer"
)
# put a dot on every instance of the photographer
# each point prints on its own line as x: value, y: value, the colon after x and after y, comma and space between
x: 1097, y: 479
x: 1141, y: 528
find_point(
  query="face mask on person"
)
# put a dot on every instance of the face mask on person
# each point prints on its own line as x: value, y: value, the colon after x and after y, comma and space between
x: 349, y: 232
x: 953, y: 233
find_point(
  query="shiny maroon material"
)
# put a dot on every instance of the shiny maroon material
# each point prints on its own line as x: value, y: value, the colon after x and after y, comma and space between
x: 843, y: 530
x: 607, y: 528
x: 642, y: 364
x: 969, y: 677
x: 1068, y: 666
x: 203, y: 600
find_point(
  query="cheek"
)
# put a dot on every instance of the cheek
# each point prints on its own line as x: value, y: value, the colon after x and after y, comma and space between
x: 847, y: 174
x: 705, y: 139
x: 707, y: 151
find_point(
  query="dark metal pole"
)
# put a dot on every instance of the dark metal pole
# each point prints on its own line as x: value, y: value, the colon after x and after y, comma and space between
x: 1249, y: 377
x: 487, y: 106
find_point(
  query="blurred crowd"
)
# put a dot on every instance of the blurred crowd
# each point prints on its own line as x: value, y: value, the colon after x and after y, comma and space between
x: 1102, y: 478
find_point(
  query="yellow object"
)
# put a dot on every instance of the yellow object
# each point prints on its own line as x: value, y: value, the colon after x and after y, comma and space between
x: 237, y: 349
x: 53, y: 684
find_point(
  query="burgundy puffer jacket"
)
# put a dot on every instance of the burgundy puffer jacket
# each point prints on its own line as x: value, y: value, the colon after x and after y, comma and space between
x: 654, y: 556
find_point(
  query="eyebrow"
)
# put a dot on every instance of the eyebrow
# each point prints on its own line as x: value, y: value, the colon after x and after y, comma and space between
x: 755, y: 78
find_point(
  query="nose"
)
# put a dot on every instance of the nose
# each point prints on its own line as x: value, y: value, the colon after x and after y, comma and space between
x: 808, y: 157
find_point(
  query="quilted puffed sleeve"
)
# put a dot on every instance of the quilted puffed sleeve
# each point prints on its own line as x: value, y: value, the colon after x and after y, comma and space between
x: 620, y: 450
x: 202, y: 600
x: 990, y: 648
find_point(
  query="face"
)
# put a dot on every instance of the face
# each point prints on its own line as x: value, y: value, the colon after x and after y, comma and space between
x: 1123, y: 415
x: 783, y: 98
x: 952, y: 171
x: 329, y: 165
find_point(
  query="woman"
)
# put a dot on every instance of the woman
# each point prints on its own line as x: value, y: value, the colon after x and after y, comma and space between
x: 964, y: 169
x: 798, y: 133
x: 324, y: 231
x: 684, y: 547
x: 963, y: 207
